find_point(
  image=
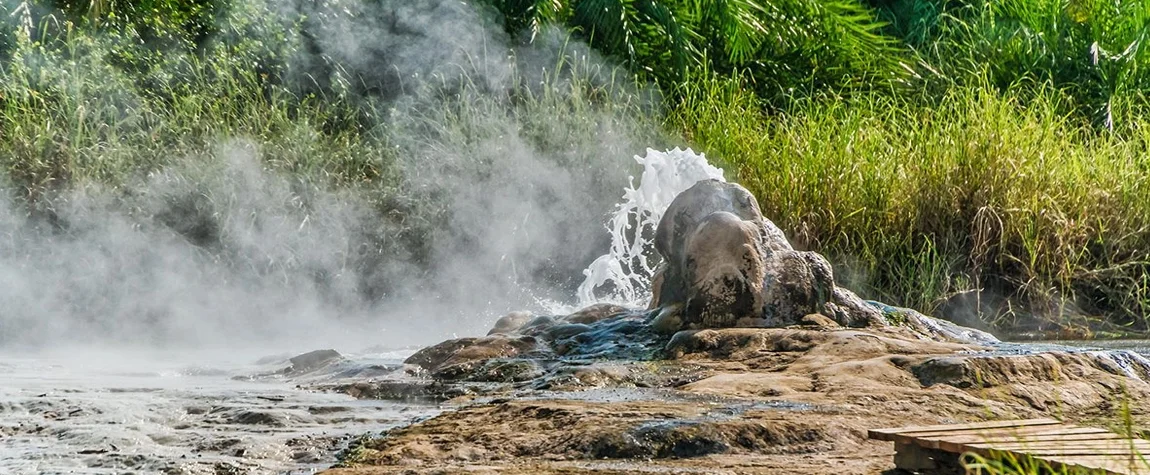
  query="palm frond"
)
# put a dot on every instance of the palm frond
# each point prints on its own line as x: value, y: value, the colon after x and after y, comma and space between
x: 741, y: 22
x: 609, y: 25
x: 679, y: 35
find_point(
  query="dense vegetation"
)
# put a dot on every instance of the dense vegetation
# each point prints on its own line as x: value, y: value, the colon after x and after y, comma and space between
x: 982, y: 158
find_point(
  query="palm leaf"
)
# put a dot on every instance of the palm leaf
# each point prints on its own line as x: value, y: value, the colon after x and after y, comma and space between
x: 678, y: 34
x: 608, y: 24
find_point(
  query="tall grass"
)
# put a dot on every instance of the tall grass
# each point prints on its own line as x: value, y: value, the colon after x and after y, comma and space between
x: 918, y: 203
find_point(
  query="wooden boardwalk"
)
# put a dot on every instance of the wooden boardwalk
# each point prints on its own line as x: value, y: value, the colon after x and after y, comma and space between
x: 937, y: 448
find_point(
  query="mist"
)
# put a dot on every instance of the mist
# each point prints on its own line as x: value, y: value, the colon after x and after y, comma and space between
x: 500, y: 204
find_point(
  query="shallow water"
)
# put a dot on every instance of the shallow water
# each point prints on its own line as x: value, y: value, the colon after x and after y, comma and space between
x: 1137, y: 346
x: 130, y: 413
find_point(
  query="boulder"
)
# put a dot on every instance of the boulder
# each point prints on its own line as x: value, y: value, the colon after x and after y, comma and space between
x: 723, y: 271
x: 511, y: 322
x: 314, y: 360
x: 595, y: 313
x: 725, y: 265
x: 469, y: 352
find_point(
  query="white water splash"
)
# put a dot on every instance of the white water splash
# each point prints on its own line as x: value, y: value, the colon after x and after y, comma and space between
x: 623, y: 275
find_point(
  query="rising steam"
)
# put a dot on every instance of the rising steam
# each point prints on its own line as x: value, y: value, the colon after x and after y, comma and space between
x: 501, y: 203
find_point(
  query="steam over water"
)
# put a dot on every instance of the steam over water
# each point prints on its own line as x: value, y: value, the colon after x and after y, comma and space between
x: 86, y: 409
x: 133, y: 316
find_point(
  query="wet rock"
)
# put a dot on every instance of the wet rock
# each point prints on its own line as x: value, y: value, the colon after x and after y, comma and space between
x: 218, y: 445
x: 538, y: 324
x: 261, y: 418
x: 492, y: 371
x: 433, y: 356
x: 688, y: 439
x: 927, y: 327
x: 851, y: 311
x: 668, y: 320
x: 314, y: 360
x: 950, y: 370
x: 400, y: 391
x: 511, y: 322
x: 566, y: 330
x: 727, y: 266
x: 796, y: 284
x: 465, y: 353
x: 680, y: 222
x: 723, y: 272
x: 818, y: 320
x: 227, y: 468
x: 595, y: 313
x: 580, y: 378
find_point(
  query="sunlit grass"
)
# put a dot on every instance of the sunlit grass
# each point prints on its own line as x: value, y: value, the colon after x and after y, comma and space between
x: 917, y: 201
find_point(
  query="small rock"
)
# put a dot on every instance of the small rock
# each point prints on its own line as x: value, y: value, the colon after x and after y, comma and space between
x: 511, y: 322
x: 818, y: 320
x: 668, y: 320
x: 314, y: 360
x: 595, y: 313
x: 258, y: 418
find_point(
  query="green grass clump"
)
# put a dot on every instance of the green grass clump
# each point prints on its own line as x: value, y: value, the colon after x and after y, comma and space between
x: 1009, y: 464
x: 918, y: 201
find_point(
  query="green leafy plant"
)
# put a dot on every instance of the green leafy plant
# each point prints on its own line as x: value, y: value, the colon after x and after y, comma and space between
x: 785, y: 44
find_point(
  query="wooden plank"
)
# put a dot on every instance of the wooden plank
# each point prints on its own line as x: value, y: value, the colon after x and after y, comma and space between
x: 1054, y: 433
x: 1027, y: 446
x: 1110, y: 464
x: 958, y: 444
x: 1118, y: 463
x: 992, y: 430
x: 885, y: 434
x: 1121, y: 452
x: 932, y: 439
x: 1044, y: 440
x: 961, y: 446
x: 955, y: 442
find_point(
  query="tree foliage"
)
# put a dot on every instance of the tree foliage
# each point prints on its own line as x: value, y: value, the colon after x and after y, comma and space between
x: 781, y: 43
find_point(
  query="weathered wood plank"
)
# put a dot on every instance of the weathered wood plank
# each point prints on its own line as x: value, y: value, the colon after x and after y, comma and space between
x: 958, y: 444
x: 1120, y: 452
x: 1139, y: 445
x: 937, y: 440
x: 1002, y: 431
x: 1052, y: 433
x: 1109, y: 464
x: 1044, y: 440
x: 882, y: 434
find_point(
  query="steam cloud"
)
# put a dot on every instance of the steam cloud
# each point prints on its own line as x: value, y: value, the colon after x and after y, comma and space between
x: 220, y: 250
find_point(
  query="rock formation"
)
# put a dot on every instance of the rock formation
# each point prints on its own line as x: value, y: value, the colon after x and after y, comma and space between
x: 725, y: 265
x: 673, y: 384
